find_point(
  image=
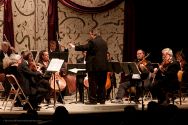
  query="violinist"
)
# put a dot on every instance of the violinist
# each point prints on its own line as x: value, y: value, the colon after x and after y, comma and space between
x: 5, y: 51
x: 32, y: 83
x: 127, y: 81
x: 166, y: 80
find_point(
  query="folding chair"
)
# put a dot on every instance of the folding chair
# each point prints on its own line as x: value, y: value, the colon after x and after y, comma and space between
x: 2, y: 78
x: 17, y: 91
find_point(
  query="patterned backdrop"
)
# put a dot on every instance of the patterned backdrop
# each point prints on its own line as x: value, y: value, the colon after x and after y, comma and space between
x: 30, y: 26
x: 31, y: 33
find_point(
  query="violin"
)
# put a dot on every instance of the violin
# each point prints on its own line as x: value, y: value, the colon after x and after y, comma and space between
x: 144, y: 61
x: 34, y: 67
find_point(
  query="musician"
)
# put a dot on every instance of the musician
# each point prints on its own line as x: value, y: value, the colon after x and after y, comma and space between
x: 80, y: 78
x: 112, y: 79
x: 10, y: 66
x: 181, y: 58
x: 32, y: 83
x: 127, y: 80
x: 166, y: 80
x: 53, y: 46
x: 5, y: 52
x: 96, y: 66
x: 43, y: 63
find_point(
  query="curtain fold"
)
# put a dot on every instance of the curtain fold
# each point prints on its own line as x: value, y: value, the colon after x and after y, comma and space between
x: 53, y: 21
x: 129, y: 45
x: 8, y: 30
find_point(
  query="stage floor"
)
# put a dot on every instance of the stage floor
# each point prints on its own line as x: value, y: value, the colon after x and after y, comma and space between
x: 108, y: 113
x: 80, y: 108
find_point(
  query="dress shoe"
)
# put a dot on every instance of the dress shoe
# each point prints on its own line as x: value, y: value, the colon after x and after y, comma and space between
x: 37, y: 108
x: 48, y: 102
x: 17, y: 104
x: 61, y: 101
x: 91, y: 103
x: 26, y: 107
x: 136, y: 102
x: 80, y: 102
x: 117, y: 101
x: 102, y: 102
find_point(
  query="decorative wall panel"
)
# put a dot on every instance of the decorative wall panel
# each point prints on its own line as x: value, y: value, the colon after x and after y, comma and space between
x: 30, y: 24
x: 1, y: 21
x: 74, y: 27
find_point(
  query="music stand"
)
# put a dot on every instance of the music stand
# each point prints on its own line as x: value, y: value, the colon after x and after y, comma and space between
x: 59, y: 55
x: 78, y: 69
x: 131, y: 67
x: 55, y: 66
x: 114, y: 67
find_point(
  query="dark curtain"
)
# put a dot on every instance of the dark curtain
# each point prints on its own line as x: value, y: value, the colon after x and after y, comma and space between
x: 8, y: 30
x: 52, y: 21
x: 129, y: 46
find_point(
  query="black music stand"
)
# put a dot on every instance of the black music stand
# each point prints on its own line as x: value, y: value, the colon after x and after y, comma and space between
x: 55, y: 66
x: 77, y: 69
x: 59, y: 55
x: 131, y: 67
x: 114, y: 67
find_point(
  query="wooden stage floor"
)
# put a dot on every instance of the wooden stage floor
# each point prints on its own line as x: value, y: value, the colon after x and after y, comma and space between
x: 46, y: 112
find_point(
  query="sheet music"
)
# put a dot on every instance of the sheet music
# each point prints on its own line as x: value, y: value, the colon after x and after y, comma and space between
x: 75, y: 70
x: 55, y: 65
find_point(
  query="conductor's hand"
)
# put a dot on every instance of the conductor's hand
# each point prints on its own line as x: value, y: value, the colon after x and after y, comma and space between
x: 71, y: 45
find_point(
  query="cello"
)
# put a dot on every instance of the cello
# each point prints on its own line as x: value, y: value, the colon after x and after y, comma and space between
x: 59, y: 82
x: 107, y: 85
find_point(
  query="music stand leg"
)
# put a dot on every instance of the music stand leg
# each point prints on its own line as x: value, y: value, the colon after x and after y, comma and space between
x: 54, y: 92
x: 142, y: 95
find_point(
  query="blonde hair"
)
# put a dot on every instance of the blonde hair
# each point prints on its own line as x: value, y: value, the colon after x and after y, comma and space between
x: 168, y: 50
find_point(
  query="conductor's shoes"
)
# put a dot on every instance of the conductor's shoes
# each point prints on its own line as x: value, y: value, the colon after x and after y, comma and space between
x: 102, y: 102
x: 90, y: 103
x: 118, y: 101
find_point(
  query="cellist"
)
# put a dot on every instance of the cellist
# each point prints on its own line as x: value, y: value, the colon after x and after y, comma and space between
x: 111, y: 79
x: 43, y: 63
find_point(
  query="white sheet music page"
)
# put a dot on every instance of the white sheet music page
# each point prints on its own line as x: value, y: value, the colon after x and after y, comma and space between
x: 55, y: 65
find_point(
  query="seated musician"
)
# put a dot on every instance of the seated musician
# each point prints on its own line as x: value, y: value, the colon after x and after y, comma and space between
x: 127, y: 80
x: 10, y: 67
x: 32, y: 82
x: 166, y: 80
x: 112, y: 79
x: 183, y: 73
x: 43, y: 63
x: 5, y: 51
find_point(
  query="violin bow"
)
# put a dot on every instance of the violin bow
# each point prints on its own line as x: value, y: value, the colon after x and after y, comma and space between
x: 5, y: 38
